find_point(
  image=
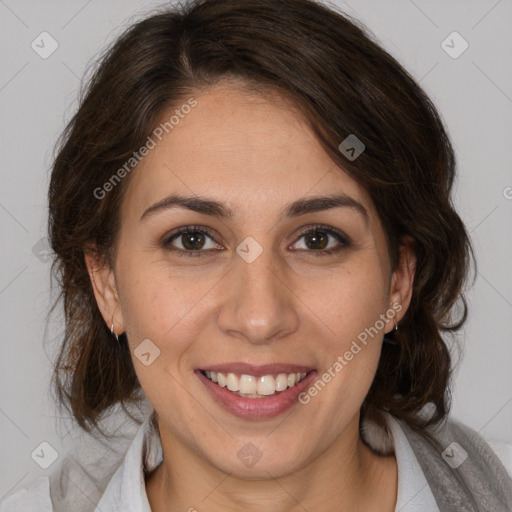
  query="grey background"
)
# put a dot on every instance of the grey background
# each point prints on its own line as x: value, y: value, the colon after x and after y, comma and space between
x: 37, y: 97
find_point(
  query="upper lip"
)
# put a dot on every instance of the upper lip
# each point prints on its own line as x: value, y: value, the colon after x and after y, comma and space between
x: 257, y: 370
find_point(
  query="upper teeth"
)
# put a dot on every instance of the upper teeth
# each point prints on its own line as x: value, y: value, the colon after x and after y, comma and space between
x: 257, y: 386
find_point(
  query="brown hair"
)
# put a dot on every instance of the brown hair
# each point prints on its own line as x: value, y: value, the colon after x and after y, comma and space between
x: 344, y: 83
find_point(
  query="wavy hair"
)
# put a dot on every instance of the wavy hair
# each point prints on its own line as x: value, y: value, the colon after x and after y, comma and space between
x: 343, y: 82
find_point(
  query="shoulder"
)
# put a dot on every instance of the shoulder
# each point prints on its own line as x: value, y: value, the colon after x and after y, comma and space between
x: 504, y: 452
x: 79, y: 480
x: 462, y: 466
x: 35, y: 498
x: 69, y: 487
x: 375, y: 431
x: 75, y: 485
x: 493, y: 452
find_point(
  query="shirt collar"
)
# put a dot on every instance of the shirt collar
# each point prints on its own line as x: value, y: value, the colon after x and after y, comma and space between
x: 126, y: 490
x: 414, y: 493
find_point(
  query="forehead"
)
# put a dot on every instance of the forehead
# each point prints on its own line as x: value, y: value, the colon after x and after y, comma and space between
x: 244, y: 149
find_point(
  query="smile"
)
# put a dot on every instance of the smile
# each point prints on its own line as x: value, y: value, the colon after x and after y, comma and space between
x: 256, y: 392
x: 250, y: 386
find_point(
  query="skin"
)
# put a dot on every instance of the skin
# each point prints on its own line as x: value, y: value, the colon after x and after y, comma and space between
x: 255, y: 155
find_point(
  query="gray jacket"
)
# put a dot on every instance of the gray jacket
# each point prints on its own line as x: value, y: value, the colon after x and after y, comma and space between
x: 463, y: 472
x: 479, y: 484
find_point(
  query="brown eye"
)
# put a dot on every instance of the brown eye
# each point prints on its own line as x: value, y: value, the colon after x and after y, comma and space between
x: 316, y: 240
x: 320, y: 241
x: 193, y: 241
x: 190, y: 241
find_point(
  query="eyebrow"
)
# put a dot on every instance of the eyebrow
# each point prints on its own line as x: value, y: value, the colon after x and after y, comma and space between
x: 214, y: 208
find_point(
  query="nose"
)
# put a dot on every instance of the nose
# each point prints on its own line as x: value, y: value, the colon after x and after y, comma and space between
x: 258, y: 302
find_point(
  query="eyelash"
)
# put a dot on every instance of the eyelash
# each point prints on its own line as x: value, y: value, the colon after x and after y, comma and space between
x: 338, y: 235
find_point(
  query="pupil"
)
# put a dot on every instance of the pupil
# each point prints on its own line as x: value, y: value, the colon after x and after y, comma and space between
x: 196, y: 240
x: 320, y: 241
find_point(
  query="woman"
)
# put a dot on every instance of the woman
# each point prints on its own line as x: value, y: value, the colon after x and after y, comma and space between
x: 252, y: 218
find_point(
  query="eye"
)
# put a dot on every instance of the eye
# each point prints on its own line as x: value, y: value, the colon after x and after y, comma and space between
x: 322, y: 240
x: 192, y: 241
x: 196, y: 241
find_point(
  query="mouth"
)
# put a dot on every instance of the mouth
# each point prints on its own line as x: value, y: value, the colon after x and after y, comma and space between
x: 252, y: 386
x: 256, y: 392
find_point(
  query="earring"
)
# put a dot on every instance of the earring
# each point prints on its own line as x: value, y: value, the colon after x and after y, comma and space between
x: 396, y: 326
x: 114, y: 333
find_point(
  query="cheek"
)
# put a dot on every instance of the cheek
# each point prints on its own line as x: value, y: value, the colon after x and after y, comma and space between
x: 351, y: 310
x: 162, y: 304
x: 351, y: 300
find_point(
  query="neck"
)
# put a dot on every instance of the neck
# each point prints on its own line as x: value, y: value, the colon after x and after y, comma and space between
x: 347, y: 476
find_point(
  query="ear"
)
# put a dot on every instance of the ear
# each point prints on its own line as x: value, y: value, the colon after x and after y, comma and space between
x: 105, y: 291
x: 402, y: 280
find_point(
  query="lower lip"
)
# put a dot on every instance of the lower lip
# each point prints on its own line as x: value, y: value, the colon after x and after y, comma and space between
x: 256, y: 408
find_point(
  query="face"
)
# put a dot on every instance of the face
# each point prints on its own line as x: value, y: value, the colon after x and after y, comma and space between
x: 256, y: 288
